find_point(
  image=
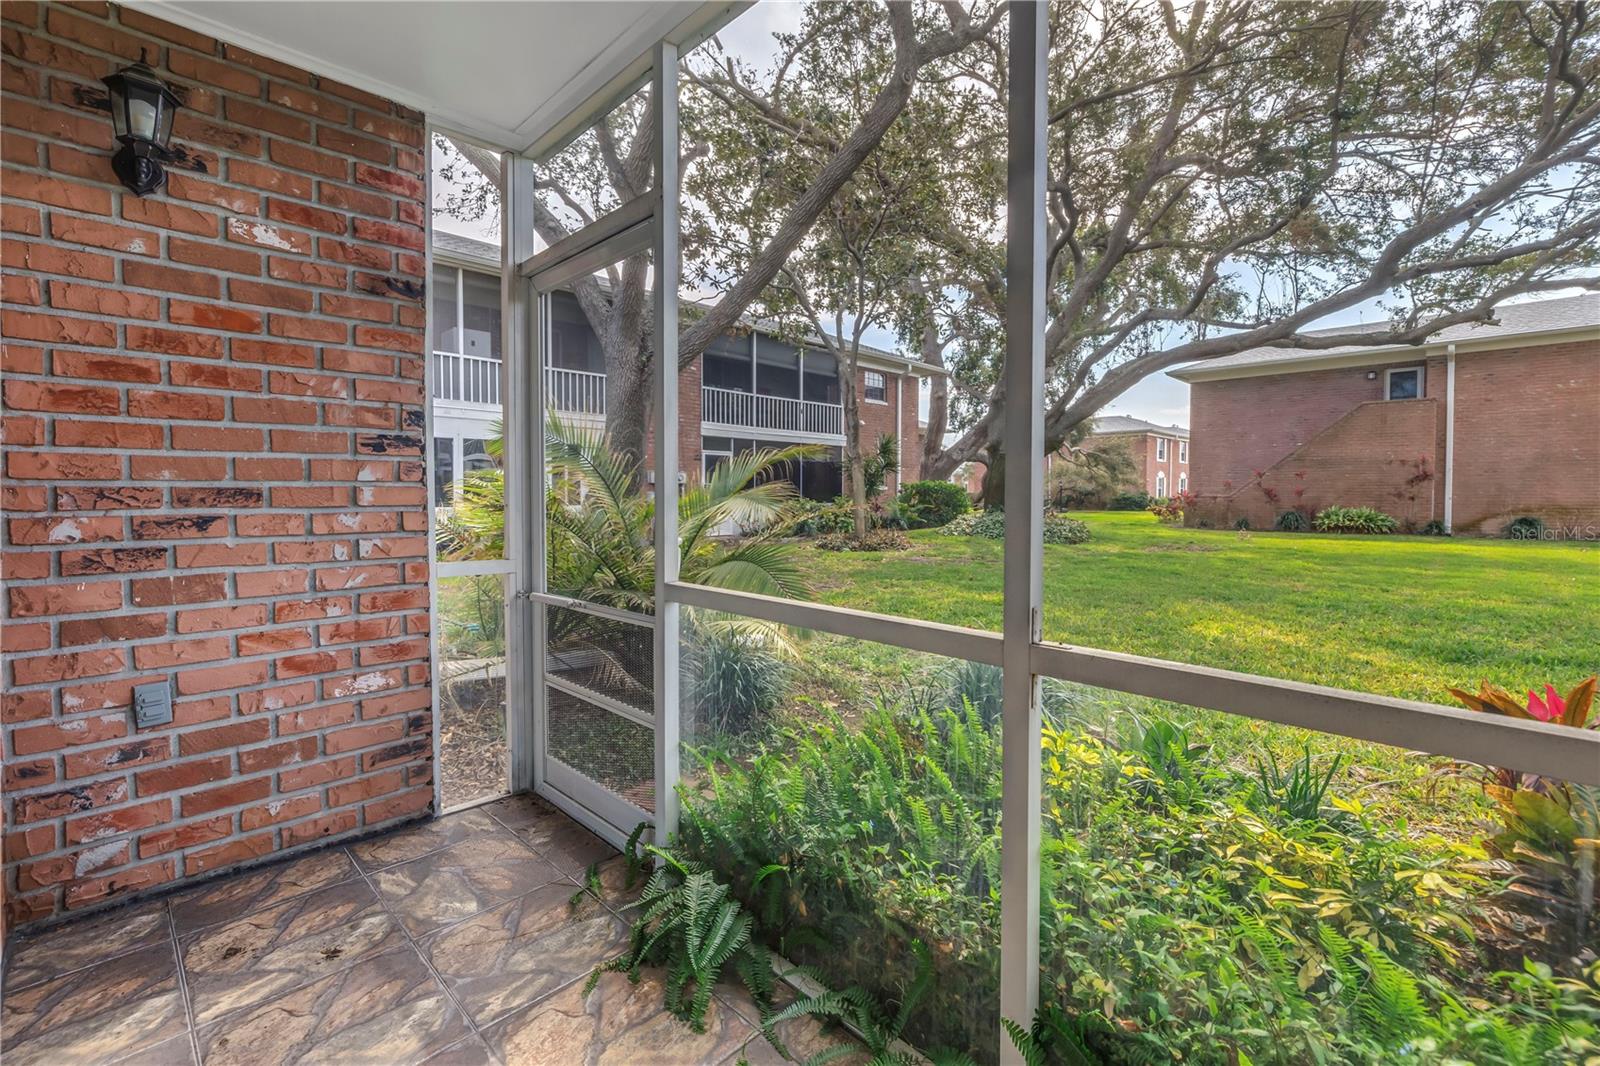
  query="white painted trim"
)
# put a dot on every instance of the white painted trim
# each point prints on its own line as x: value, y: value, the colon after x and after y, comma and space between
x: 1422, y: 380
x: 474, y: 567
x: 664, y: 373
x: 522, y: 397
x: 601, y: 700
x: 1449, y: 437
x: 429, y: 475
x: 1027, y: 162
x: 1534, y: 747
x: 956, y: 642
x: 728, y: 429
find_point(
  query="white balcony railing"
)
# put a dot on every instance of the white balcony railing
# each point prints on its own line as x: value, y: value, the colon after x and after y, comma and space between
x: 730, y: 407
x: 476, y: 380
x: 466, y: 378
x: 575, y: 392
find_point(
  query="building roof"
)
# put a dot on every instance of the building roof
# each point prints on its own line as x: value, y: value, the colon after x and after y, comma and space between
x: 470, y: 250
x: 1106, y: 425
x: 1520, y: 321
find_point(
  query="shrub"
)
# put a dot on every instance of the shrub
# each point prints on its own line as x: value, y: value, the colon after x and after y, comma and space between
x: 1292, y: 522
x: 991, y: 525
x: 732, y: 678
x: 876, y: 540
x: 1434, y: 529
x: 934, y: 503
x: 1167, y: 511
x: 976, y: 685
x: 1241, y: 523
x: 1354, y: 520
x: 816, y: 518
x: 1129, y: 501
x: 1525, y: 528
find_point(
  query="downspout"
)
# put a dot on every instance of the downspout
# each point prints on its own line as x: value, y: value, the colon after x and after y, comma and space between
x: 1449, y: 436
x: 899, y: 432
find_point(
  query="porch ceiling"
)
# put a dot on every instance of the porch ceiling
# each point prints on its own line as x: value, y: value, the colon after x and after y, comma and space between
x: 504, y: 72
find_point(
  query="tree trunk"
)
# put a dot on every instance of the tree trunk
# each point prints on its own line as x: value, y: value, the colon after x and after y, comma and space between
x: 854, y: 468
x: 993, y: 493
x: 628, y: 413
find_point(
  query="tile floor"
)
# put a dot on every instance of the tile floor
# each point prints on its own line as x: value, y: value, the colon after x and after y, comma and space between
x: 452, y: 943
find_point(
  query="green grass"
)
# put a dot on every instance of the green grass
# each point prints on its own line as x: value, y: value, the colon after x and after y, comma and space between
x: 1399, y: 616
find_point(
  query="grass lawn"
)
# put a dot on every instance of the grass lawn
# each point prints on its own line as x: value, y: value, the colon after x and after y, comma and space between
x: 1401, y: 616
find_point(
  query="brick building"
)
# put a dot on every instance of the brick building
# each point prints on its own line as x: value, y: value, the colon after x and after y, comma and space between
x: 751, y: 389
x: 213, y: 403
x: 1160, y: 455
x: 1479, y: 425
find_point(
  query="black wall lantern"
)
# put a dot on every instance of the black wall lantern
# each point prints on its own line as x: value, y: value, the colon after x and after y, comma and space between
x: 141, y: 111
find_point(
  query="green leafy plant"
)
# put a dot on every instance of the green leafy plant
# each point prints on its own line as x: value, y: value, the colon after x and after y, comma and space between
x: 991, y: 525
x: 1300, y: 793
x: 1527, y: 527
x: 935, y: 503
x: 877, y: 463
x: 1129, y: 501
x: 880, y: 1031
x: 688, y: 925
x: 1434, y: 528
x: 733, y: 677
x: 1292, y: 522
x: 1354, y: 520
x: 875, y: 540
x: 1055, y: 1038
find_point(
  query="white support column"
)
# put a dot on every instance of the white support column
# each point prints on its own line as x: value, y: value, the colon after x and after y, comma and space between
x: 522, y: 387
x: 665, y: 87
x: 1024, y: 460
x: 1449, y: 438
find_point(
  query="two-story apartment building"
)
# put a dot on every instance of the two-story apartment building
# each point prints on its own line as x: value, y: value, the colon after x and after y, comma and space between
x: 1160, y: 453
x: 751, y: 388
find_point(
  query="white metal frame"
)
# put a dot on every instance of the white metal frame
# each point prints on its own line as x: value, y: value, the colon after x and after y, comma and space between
x: 1019, y: 649
x: 1388, y: 379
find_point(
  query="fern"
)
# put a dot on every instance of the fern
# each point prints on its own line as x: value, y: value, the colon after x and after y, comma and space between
x: 689, y: 925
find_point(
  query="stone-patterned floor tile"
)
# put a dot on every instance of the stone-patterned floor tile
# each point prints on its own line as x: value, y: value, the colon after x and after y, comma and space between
x: 512, y: 954
x: 522, y: 809
x: 615, y: 889
x: 570, y: 847
x: 618, y: 1022
x: 387, y: 1011
x: 419, y: 839
x: 241, y: 894
x: 255, y: 958
x: 178, y: 1051
x: 98, y: 1014
x: 462, y: 880
x: 34, y: 958
x: 470, y: 1052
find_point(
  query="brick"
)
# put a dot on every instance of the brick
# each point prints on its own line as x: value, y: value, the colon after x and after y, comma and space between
x: 328, y: 825
x: 263, y: 235
x: 138, y: 752
x: 224, y: 737
x: 171, y: 279
x: 124, y: 435
x: 105, y: 235
x: 112, y: 561
x: 167, y: 591
x: 74, y: 399
x: 174, y: 342
x: 94, y: 890
x: 231, y: 795
x: 64, y: 598
x: 210, y: 316
x: 54, y: 259
x: 104, y: 367
x: 112, y: 823
x: 34, y: 740
x: 80, y: 631
x: 268, y: 178
x: 214, y: 256
x: 57, y: 192
x: 220, y: 678
x: 41, y: 805
x: 275, y: 352
x: 106, y: 497
x: 165, y: 215
x: 230, y: 555
x: 177, y: 467
x: 57, y: 329
x: 177, y: 838
x: 280, y: 810
x: 262, y: 295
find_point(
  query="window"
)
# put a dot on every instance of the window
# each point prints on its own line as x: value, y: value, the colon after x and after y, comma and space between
x: 1403, y: 383
x: 877, y: 387
x: 1161, y: 483
x: 444, y: 466
x: 1161, y: 449
x: 446, y: 284
x: 1183, y: 451
x: 480, y: 333
x: 1183, y: 482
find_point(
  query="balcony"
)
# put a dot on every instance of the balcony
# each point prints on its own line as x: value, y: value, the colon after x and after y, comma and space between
x: 475, y: 380
x: 730, y: 407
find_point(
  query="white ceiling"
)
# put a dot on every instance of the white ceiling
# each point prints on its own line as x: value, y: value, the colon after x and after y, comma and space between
x: 504, y: 72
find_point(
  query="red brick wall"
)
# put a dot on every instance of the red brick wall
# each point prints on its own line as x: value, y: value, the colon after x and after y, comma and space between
x: 1526, y: 437
x: 1380, y: 454
x: 213, y: 405
x: 880, y: 418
